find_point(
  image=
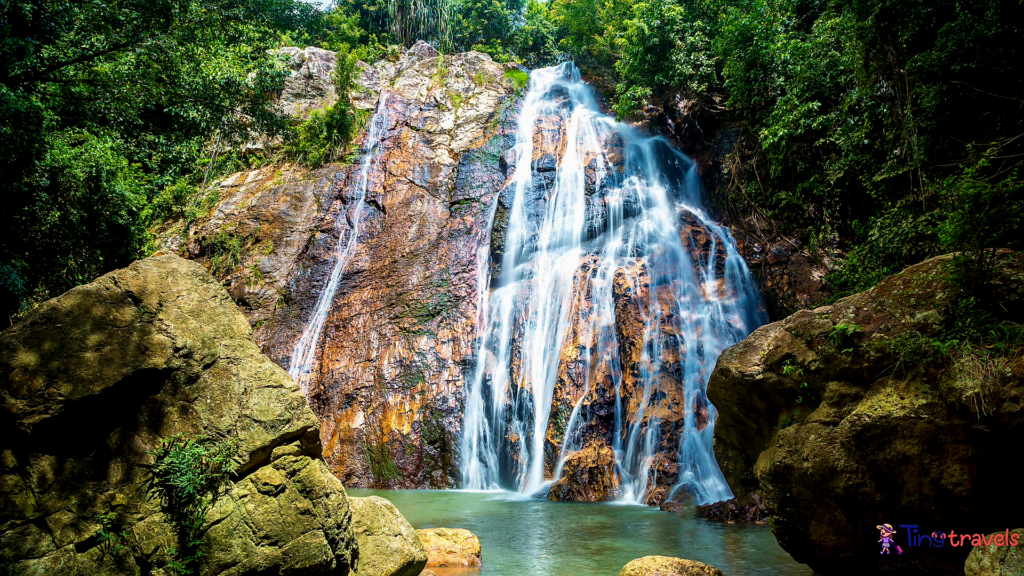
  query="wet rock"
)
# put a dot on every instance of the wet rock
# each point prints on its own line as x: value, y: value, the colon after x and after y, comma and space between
x: 834, y: 421
x: 388, y: 545
x: 791, y: 275
x: 91, y: 381
x: 671, y: 506
x: 588, y: 476
x: 999, y: 558
x: 450, y: 547
x: 733, y: 511
x: 668, y: 566
x: 546, y: 163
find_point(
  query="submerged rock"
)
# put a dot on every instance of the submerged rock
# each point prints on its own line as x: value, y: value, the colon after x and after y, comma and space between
x: 668, y: 566
x: 91, y: 381
x: 388, y: 545
x: 1001, y: 557
x: 733, y: 511
x: 588, y: 476
x: 842, y: 418
x: 450, y: 547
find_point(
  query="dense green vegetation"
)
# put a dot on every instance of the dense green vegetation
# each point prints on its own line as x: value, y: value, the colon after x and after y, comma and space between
x: 884, y: 130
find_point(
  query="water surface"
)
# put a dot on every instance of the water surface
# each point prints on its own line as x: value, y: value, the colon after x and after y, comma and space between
x: 540, y: 538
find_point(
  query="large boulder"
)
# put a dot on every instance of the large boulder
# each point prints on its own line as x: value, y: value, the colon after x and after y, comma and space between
x: 851, y: 415
x: 587, y: 476
x: 91, y: 381
x: 388, y: 544
x: 1002, y: 556
x: 668, y: 566
x: 291, y: 517
x: 450, y: 547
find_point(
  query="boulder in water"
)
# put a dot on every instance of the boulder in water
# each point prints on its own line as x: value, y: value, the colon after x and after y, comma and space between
x: 388, y: 545
x: 450, y: 547
x: 668, y: 566
x: 588, y: 476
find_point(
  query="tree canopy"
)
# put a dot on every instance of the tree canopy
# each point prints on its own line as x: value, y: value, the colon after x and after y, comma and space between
x: 891, y: 129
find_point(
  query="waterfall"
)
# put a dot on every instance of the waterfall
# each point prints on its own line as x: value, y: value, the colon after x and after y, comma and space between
x: 300, y: 367
x: 596, y: 225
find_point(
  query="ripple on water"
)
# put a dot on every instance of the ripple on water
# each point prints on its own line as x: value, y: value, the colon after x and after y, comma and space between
x: 533, y: 537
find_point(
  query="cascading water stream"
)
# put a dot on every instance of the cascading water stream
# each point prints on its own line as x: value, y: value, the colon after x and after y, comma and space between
x: 596, y: 215
x: 301, y: 364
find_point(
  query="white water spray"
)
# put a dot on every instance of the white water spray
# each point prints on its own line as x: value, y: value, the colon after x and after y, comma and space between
x: 597, y: 205
x: 300, y: 367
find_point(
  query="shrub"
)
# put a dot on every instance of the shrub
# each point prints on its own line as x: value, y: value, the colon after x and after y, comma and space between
x: 187, y: 476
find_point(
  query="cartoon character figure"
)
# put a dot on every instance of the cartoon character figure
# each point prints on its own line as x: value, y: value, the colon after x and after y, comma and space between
x: 887, y: 541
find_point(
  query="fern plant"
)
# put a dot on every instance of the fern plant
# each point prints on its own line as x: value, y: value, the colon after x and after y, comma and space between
x: 186, y: 476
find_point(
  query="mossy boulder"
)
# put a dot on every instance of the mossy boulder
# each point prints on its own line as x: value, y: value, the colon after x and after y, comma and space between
x: 864, y: 412
x: 668, y: 566
x: 388, y: 544
x: 1000, y: 557
x: 90, y: 384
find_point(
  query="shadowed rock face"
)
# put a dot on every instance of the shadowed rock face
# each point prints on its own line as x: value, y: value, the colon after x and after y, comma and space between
x: 841, y: 429
x: 89, y: 384
x: 309, y: 86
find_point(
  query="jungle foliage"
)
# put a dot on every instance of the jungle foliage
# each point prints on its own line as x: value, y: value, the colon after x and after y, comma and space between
x: 886, y: 131
x: 103, y: 107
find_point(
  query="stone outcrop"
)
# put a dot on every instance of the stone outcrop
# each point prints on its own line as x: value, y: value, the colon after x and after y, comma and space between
x: 448, y: 547
x: 399, y: 338
x: 388, y: 545
x: 848, y: 416
x: 1000, y: 557
x: 587, y: 476
x: 751, y: 511
x: 310, y: 84
x: 91, y: 381
x: 668, y: 566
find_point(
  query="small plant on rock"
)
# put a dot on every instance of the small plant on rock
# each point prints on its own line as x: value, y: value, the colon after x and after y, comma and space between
x: 841, y: 337
x: 518, y: 79
x: 187, y: 476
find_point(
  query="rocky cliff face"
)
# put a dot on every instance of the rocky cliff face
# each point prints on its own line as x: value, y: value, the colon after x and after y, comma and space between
x: 790, y: 274
x: 427, y: 221
x: 90, y: 383
x: 846, y: 417
x: 389, y: 376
